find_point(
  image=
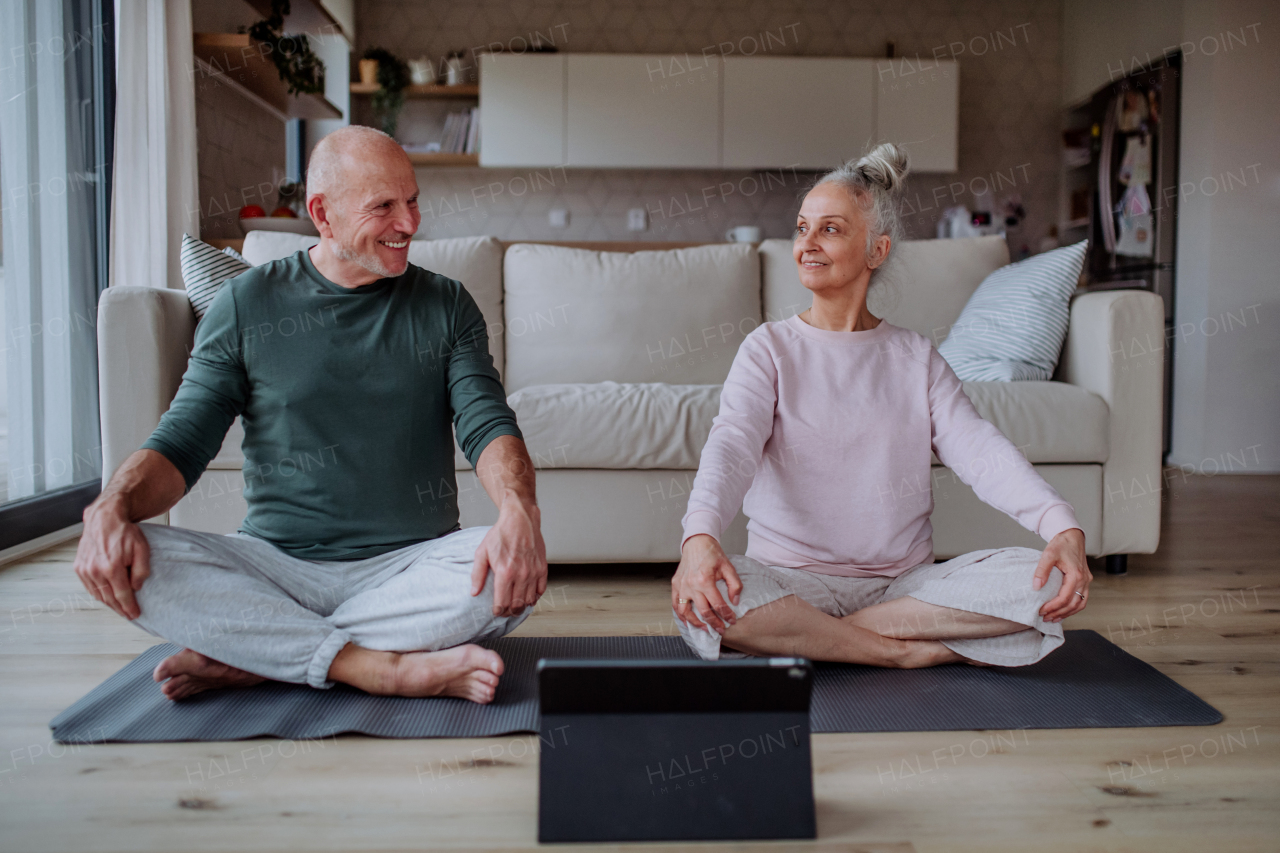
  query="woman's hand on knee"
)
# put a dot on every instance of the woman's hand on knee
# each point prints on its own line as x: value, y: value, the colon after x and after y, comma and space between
x: 1066, y: 553
x: 694, y: 595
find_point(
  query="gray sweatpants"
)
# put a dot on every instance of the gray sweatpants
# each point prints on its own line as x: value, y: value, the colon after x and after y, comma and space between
x: 995, y: 582
x: 244, y: 602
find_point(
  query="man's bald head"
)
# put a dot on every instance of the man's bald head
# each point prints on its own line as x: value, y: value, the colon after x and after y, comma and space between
x: 340, y: 159
x: 362, y: 196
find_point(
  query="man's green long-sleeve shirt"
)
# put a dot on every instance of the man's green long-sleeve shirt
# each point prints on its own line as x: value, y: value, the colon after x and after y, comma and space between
x: 346, y: 396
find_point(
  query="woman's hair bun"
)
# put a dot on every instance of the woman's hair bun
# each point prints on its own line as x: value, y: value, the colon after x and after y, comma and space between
x: 884, y: 166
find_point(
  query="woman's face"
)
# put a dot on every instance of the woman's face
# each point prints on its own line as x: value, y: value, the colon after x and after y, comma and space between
x: 830, y: 245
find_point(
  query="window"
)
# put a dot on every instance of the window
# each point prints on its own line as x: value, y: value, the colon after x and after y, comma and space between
x: 56, y: 124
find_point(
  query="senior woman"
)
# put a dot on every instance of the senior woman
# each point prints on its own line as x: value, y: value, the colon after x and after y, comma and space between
x: 826, y: 424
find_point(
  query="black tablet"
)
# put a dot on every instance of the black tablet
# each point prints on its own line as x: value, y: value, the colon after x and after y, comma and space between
x: 652, y: 750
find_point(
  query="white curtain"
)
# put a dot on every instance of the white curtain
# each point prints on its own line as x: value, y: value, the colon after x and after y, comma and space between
x: 48, y: 180
x: 154, y: 187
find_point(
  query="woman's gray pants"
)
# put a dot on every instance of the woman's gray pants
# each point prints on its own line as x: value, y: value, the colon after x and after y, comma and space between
x: 246, y: 603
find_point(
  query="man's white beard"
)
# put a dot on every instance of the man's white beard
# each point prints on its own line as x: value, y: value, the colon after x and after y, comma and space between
x: 371, y: 261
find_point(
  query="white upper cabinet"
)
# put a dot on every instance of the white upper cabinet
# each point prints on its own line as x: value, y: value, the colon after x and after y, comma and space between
x: 522, y: 109
x: 633, y: 111
x: 643, y: 110
x: 804, y: 112
x: 918, y: 106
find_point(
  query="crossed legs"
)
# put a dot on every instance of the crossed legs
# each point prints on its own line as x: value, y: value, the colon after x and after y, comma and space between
x: 978, y: 608
x: 901, y: 633
x: 401, y: 624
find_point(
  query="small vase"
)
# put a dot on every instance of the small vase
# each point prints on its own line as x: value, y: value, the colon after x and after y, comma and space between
x: 369, y: 72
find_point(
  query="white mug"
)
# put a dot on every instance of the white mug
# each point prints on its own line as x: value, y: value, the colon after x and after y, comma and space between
x: 454, y: 71
x: 421, y: 73
x: 743, y: 234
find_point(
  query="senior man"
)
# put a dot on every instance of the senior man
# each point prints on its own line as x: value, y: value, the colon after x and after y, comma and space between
x: 353, y: 568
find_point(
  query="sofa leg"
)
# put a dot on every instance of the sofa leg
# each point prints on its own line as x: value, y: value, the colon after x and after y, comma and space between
x: 1117, y: 564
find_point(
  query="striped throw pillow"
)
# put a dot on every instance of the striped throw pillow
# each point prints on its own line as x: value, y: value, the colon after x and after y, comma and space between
x: 1013, y: 326
x: 204, y: 269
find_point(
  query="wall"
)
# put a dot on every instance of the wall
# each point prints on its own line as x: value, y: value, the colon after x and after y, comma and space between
x: 335, y: 52
x: 1010, y: 87
x: 240, y: 156
x: 1102, y: 40
x: 1227, y: 354
x: 240, y: 151
x: 1226, y: 396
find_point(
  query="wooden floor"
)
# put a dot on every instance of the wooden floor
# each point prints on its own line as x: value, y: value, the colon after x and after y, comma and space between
x: 1203, y: 610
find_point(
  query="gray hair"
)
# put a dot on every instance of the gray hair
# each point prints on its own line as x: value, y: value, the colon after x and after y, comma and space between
x: 874, y: 182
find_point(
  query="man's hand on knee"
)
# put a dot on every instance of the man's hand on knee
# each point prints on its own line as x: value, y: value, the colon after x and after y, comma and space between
x: 113, y: 558
x: 514, y: 551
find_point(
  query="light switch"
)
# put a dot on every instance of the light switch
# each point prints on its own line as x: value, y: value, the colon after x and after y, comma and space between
x: 637, y: 219
x: 559, y: 217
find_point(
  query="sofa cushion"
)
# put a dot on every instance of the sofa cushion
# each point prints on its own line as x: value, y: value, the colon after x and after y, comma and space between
x: 616, y: 425
x: 477, y: 263
x: 261, y: 247
x: 1048, y: 421
x: 924, y: 287
x: 651, y: 425
x: 674, y: 316
x: 474, y: 261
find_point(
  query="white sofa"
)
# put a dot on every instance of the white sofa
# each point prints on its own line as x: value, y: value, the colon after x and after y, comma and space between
x: 613, y: 361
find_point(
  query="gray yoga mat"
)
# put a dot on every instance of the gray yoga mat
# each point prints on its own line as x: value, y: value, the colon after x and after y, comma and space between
x: 1087, y: 683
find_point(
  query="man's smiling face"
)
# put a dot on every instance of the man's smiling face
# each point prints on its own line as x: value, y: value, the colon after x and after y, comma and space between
x: 376, y: 213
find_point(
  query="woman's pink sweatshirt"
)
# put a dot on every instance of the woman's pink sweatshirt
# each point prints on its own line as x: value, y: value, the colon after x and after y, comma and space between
x: 828, y: 435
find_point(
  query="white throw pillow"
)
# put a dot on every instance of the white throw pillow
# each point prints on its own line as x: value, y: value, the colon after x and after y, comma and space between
x: 1013, y: 326
x: 204, y: 269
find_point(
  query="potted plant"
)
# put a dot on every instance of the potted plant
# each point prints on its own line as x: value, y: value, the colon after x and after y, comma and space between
x: 298, y: 66
x: 393, y: 77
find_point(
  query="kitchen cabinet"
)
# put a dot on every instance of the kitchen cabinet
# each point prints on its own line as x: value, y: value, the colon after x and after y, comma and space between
x: 522, y: 109
x: 643, y: 111
x: 807, y: 112
x: 918, y: 105
x: 630, y: 111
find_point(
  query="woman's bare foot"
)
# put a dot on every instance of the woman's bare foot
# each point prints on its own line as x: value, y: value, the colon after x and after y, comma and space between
x: 936, y: 654
x: 925, y: 653
x: 189, y: 672
x: 466, y: 672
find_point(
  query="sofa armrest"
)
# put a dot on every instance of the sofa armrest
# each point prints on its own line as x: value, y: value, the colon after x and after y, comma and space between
x: 1115, y: 348
x: 144, y: 339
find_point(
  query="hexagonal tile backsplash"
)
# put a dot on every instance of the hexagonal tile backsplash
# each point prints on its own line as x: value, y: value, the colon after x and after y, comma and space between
x: 1010, y: 81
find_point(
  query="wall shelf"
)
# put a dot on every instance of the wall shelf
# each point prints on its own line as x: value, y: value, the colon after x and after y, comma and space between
x: 435, y: 158
x: 464, y: 90
x: 305, y: 16
x: 234, y: 59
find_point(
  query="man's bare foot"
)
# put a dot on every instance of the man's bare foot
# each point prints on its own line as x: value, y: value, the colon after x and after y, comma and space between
x: 190, y: 672
x: 466, y: 672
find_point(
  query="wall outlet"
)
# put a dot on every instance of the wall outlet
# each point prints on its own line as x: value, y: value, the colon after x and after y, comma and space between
x: 559, y: 217
x: 637, y: 219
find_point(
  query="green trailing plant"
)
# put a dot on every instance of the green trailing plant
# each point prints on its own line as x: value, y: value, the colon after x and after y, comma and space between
x: 296, y: 63
x: 393, y: 78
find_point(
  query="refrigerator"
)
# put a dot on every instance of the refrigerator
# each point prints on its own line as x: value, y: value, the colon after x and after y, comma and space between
x: 1133, y: 181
